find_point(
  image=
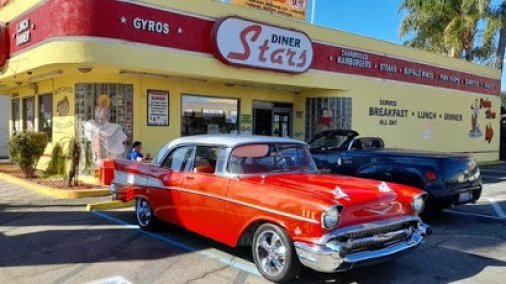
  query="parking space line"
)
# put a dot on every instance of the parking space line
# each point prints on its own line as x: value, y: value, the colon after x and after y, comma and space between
x: 474, y: 214
x: 228, y: 261
x: 497, y: 208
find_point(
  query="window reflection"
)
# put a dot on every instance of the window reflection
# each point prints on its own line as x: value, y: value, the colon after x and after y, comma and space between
x: 46, y: 115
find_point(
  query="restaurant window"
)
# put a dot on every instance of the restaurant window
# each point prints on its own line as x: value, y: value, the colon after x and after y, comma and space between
x: 104, y: 122
x: 16, y: 116
x: 46, y: 115
x: 208, y: 115
x: 28, y: 113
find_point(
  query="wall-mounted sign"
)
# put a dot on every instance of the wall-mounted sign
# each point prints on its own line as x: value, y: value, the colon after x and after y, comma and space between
x: 23, y: 34
x: 246, y: 43
x: 158, y: 108
x: 289, y: 8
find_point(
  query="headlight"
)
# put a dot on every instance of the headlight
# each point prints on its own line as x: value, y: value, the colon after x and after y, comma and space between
x: 418, y: 204
x: 330, y: 217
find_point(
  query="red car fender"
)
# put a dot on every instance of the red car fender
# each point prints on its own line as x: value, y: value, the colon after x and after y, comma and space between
x: 251, y: 226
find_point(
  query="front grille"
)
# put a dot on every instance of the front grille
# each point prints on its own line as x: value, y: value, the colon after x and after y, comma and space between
x: 375, y: 237
x: 354, y: 245
x: 373, y: 231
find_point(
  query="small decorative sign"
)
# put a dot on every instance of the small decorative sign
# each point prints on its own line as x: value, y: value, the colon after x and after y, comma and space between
x: 246, y: 119
x: 62, y: 107
x: 158, y: 108
x: 245, y: 43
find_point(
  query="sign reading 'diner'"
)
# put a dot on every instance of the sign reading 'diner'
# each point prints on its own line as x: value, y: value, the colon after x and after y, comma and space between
x: 244, y: 43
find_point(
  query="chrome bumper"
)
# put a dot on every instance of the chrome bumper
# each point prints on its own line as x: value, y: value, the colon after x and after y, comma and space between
x: 332, y: 256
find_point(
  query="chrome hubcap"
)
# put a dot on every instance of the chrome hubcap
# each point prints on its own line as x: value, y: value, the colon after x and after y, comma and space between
x: 271, y: 253
x: 143, y: 213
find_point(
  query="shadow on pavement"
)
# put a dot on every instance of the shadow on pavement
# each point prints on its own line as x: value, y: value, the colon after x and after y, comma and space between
x: 33, y: 238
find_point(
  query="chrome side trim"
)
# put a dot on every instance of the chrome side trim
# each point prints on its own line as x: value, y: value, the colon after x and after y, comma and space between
x: 300, y: 218
x: 141, y: 180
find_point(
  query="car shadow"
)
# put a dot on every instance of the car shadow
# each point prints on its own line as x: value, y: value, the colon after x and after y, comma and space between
x: 35, y: 238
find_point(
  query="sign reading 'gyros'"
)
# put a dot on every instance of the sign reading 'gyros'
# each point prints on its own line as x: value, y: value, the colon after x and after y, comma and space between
x: 246, y: 43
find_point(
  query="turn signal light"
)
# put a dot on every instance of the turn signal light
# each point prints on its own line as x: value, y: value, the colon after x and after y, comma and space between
x: 430, y: 175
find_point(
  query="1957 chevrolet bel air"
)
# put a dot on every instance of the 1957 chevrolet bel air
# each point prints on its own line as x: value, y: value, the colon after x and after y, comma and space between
x: 266, y: 193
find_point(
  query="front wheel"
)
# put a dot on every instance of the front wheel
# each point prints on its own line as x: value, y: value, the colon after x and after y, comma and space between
x: 144, y: 213
x: 274, y: 254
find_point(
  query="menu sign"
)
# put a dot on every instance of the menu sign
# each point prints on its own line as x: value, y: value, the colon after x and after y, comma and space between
x: 158, y: 108
x: 251, y: 44
x: 353, y: 61
x: 289, y: 8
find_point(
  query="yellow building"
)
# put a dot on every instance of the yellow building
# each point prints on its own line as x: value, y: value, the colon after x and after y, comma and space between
x: 162, y: 69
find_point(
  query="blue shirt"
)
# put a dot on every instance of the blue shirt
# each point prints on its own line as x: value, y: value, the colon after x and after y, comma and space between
x: 134, y: 155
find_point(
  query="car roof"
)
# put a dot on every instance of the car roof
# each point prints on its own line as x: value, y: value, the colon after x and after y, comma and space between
x: 229, y: 140
x: 226, y: 140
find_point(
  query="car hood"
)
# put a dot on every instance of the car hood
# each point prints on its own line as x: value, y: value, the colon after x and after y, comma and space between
x: 363, y: 200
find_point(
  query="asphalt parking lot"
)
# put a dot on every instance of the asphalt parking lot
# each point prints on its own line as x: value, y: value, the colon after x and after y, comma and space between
x: 56, y: 241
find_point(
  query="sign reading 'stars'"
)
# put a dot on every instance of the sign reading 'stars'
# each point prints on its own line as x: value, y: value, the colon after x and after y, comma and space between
x: 246, y: 43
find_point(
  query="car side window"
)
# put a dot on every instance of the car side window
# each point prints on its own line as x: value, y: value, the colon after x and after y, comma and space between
x: 179, y: 159
x: 328, y: 141
x: 205, y: 159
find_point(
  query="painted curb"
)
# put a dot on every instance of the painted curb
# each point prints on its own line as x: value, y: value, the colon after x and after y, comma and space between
x: 55, y: 193
x: 114, y: 204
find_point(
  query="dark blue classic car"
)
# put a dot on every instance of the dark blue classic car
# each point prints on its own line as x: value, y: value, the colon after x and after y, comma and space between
x: 449, y: 179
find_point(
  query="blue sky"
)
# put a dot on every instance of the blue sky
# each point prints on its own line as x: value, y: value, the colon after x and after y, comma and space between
x: 372, y: 18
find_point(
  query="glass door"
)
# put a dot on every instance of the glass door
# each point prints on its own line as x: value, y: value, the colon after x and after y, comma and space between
x: 282, y: 123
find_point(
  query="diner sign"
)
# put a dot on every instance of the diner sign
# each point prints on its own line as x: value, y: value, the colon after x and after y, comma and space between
x: 245, y: 43
x: 288, y: 8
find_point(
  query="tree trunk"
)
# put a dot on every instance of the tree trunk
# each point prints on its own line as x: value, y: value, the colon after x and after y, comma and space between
x: 502, y: 38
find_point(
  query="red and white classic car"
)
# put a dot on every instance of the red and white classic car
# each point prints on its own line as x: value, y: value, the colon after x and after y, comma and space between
x: 266, y: 193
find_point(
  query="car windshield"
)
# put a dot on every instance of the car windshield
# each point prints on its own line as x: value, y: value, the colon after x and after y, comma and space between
x: 271, y: 158
x: 330, y: 140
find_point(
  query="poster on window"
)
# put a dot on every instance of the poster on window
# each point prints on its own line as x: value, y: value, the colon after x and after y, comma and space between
x: 158, y: 108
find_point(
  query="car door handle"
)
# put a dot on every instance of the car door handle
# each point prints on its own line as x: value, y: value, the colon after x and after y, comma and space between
x: 191, y: 178
x: 347, y: 161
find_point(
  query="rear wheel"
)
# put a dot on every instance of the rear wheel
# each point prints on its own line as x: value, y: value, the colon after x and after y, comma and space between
x: 144, y: 214
x: 274, y: 254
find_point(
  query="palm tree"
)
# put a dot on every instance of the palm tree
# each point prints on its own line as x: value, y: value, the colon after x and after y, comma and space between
x: 458, y: 28
x: 502, y: 37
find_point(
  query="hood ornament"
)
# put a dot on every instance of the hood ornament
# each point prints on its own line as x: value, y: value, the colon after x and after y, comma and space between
x: 383, y: 187
x: 341, y: 194
x: 381, y: 211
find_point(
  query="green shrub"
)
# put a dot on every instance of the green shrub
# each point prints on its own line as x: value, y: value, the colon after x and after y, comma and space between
x: 26, y: 148
x: 56, y: 165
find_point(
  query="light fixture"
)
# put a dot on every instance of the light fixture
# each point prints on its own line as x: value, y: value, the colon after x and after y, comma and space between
x: 84, y: 69
x: 159, y: 76
x: 18, y: 83
x: 44, y: 76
